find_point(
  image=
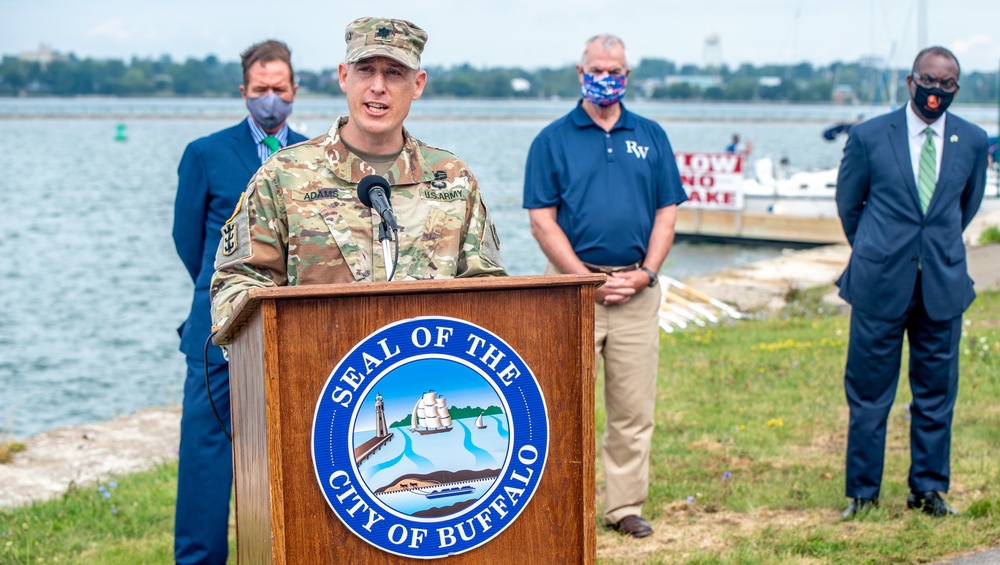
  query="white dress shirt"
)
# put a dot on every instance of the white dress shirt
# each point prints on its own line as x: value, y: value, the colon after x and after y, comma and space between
x: 915, y: 133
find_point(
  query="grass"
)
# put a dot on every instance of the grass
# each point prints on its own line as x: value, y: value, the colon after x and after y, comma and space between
x: 747, y: 462
x: 990, y: 235
x: 748, y: 453
x: 124, y: 521
x: 8, y: 448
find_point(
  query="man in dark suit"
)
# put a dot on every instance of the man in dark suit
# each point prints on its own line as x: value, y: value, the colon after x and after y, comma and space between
x: 213, y: 173
x: 909, y: 183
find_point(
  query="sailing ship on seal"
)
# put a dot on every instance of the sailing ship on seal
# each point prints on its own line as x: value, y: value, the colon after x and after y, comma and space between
x: 431, y: 415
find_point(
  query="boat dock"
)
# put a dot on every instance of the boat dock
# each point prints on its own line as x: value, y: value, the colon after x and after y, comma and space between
x: 763, y: 227
x: 802, y: 223
x: 366, y: 449
x: 799, y: 211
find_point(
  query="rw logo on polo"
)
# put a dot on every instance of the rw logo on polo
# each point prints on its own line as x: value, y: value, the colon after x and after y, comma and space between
x: 430, y: 437
x: 638, y: 150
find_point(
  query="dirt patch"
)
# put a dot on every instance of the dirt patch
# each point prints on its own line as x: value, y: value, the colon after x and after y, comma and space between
x: 686, y: 529
x: 831, y: 444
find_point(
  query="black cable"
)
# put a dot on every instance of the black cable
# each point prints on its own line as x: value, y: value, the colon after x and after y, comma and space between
x: 208, y: 389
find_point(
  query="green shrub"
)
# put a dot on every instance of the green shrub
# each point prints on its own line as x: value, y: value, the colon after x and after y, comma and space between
x: 8, y: 449
x: 990, y: 235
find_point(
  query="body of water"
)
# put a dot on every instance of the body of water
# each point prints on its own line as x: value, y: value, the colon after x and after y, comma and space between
x: 92, y: 289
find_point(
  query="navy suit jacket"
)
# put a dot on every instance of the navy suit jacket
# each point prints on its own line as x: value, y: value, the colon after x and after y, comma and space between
x: 213, y: 173
x: 889, y: 234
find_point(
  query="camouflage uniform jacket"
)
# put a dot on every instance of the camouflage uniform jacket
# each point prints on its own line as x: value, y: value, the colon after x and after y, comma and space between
x: 300, y: 221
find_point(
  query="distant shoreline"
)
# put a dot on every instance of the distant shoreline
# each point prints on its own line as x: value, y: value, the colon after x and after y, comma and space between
x: 330, y: 117
x: 554, y: 100
x: 499, y: 110
x: 416, y: 118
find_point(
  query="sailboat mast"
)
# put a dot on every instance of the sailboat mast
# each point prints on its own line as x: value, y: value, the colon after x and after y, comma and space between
x: 921, y: 24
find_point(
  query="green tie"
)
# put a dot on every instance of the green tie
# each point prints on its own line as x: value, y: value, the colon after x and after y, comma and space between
x: 274, y: 144
x: 927, y: 178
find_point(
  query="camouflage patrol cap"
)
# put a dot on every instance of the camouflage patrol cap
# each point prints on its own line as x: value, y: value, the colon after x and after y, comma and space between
x: 398, y: 40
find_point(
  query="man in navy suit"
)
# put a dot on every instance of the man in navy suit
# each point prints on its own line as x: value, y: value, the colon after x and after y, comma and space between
x: 909, y: 183
x: 213, y: 173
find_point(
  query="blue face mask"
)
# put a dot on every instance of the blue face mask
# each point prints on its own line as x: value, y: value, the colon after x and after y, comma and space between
x: 269, y: 111
x: 604, y: 92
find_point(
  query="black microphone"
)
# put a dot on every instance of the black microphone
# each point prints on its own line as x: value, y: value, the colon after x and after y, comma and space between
x: 373, y: 191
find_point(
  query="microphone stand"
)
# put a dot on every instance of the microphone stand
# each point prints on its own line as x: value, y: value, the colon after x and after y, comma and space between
x: 385, y: 238
x: 373, y: 192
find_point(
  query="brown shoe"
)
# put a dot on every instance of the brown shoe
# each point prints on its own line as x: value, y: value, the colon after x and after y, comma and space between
x: 633, y: 526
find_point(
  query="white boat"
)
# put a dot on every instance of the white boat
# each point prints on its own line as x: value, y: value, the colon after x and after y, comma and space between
x: 732, y: 201
x: 773, y: 189
x: 431, y: 415
x: 479, y: 422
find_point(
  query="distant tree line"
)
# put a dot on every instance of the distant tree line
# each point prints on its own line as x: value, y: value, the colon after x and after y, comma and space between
x: 651, y: 78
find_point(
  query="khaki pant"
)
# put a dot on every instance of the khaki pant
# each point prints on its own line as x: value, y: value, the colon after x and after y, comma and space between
x: 627, y: 338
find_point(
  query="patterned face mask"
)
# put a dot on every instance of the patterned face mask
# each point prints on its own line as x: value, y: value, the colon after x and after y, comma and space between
x: 604, y: 92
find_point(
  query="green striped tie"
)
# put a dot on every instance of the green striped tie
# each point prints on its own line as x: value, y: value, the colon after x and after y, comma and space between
x: 927, y: 178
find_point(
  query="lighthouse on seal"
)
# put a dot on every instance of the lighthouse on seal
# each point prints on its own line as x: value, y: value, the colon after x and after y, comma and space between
x: 381, y: 429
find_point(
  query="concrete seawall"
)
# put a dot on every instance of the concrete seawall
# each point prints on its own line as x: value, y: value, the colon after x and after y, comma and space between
x: 81, y: 455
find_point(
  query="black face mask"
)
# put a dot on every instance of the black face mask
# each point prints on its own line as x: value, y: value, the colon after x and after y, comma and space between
x: 931, y: 102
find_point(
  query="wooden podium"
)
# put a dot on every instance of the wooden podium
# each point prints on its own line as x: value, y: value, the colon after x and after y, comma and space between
x: 283, y: 343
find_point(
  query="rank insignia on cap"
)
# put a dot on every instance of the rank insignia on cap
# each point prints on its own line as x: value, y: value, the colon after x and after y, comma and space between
x: 396, y: 39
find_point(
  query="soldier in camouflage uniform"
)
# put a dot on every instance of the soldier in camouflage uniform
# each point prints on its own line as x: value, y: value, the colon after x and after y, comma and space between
x: 301, y: 221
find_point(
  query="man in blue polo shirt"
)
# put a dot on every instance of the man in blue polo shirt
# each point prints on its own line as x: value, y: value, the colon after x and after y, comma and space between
x: 601, y: 187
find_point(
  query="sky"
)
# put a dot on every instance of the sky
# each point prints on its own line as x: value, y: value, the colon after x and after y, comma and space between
x: 530, y: 34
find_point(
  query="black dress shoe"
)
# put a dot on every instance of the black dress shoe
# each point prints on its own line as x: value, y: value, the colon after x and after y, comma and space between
x: 929, y: 502
x: 633, y: 526
x: 857, y: 505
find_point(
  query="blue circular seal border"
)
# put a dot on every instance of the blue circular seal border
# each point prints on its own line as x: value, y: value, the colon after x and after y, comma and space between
x: 353, y: 379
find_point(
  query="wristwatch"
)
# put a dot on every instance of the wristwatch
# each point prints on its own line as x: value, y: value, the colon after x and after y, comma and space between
x: 653, y: 280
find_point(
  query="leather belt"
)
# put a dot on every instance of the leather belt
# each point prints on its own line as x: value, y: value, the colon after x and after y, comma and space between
x: 609, y: 270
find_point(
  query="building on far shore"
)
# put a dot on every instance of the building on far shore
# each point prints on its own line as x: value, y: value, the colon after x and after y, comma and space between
x: 43, y: 56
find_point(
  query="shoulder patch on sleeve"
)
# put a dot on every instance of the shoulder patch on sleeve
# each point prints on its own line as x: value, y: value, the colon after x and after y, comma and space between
x: 235, y: 243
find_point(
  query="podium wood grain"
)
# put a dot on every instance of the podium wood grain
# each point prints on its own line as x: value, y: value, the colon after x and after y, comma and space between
x: 284, y: 342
